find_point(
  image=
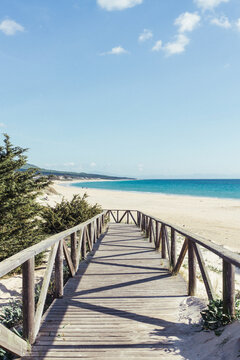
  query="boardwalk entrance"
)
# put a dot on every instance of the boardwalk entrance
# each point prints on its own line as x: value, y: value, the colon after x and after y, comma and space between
x: 122, y: 304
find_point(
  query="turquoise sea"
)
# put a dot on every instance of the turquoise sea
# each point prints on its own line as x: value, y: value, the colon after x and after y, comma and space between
x: 228, y: 188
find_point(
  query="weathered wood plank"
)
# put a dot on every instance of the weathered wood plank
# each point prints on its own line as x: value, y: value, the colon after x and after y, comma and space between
x: 44, y: 289
x: 109, y: 307
x: 228, y: 288
x: 181, y: 257
x: 59, y: 271
x: 13, y: 343
x: 28, y: 298
x: 204, y: 272
x: 68, y: 258
x: 192, y: 270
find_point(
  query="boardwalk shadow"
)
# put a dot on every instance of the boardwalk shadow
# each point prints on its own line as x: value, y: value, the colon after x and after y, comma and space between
x: 160, y: 334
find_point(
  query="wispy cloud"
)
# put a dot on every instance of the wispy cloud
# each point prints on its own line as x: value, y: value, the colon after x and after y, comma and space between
x: 158, y: 46
x: 118, y: 50
x: 145, y: 35
x: 2, y: 125
x: 209, y: 4
x: 221, y: 21
x: 238, y: 24
x: 140, y: 167
x: 111, y: 5
x: 93, y: 164
x: 177, y: 46
x: 187, y: 22
x: 10, y: 27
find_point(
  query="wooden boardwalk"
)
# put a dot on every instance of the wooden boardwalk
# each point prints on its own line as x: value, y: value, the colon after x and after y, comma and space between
x: 122, y: 304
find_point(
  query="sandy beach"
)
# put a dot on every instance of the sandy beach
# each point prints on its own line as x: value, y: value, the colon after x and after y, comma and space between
x: 212, y: 218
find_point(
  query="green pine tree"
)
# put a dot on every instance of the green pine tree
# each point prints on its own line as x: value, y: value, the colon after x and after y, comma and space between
x: 19, y: 210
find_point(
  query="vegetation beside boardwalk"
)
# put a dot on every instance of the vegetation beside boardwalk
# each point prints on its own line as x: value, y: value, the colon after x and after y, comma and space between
x: 24, y: 222
x: 20, y: 224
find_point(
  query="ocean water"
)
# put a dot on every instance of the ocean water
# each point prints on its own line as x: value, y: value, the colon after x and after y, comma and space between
x: 227, y: 188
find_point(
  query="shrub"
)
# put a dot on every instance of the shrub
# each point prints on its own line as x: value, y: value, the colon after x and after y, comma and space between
x: 68, y: 214
x: 215, y: 317
x: 19, y: 220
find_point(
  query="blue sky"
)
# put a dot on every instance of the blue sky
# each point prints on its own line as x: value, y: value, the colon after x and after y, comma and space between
x: 145, y: 88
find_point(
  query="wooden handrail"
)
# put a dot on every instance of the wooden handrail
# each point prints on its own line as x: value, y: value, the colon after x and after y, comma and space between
x: 156, y: 230
x: 18, y: 259
x: 88, y: 233
x: 219, y: 250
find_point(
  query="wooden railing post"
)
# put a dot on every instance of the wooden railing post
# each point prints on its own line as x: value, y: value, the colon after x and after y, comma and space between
x: 84, y: 244
x: 142, y: 222
x: 228, y: 288
x: 128, y: 217
x: 163, y: 239
x: 94, y: 231
x: 59, y: 271
x: 173, y: 249
x: 150, y: 230
x: 74, y: 250
x: 192, y: 274
x: 147, y: 226
x: 28, y: 293
x: 157, y: 242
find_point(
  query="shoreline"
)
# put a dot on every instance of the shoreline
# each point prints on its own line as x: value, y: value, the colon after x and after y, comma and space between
x: 216, y: 219
x: 71, y: 183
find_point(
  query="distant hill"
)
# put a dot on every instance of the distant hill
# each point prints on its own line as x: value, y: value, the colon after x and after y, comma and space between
x: 70, y: 174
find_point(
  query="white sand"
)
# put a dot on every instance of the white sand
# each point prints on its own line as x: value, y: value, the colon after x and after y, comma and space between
x: 214, y: 219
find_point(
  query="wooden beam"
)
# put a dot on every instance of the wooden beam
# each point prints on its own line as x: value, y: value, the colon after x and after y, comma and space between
x: 204, y: 272
x: 84, y: 248
x: 28, y: 299
x: 68, y: 259
x: 122, y: 216
x: 173, y: 249
x: 114, y: 217
x: 167, y: 243
x: 59, y: 271
x: 133, y: 218
x: 192, y: 270
x: 74, y: 250
x: 164, y: 254
x: 229, y: 288
x: 13, y: 343
x: 181, y: 257
x: 79, y: 248
x: 44, y: 289
x: 157, y: 235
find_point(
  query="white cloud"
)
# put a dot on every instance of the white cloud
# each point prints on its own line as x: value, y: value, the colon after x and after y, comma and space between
x: 157, y: 46
x: 118, y: 50
x: 209, y: 4
x: 140, y: 167
x: 2, y: 125
x: 111, y: 5
x: 93, y: 164
x: 187, y: 21
x: 145, y: 35
x: 10, y: 27
x: 178, y: 46
x: 222, y: 21
x: 238, y: 24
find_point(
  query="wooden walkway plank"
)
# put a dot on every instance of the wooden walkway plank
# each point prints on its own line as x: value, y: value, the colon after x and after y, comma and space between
x: 122, y: 304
